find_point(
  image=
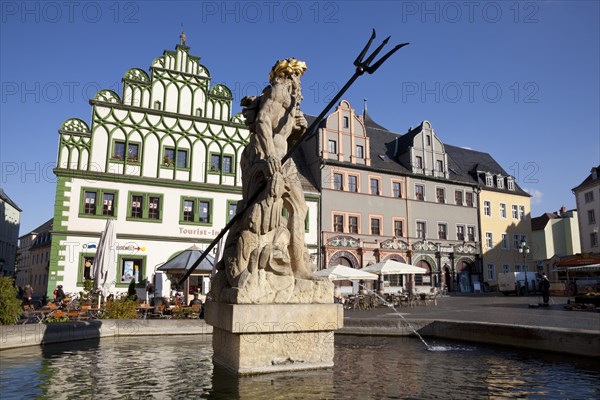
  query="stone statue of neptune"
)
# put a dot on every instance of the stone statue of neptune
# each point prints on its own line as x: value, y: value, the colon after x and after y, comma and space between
x: 265, y: 259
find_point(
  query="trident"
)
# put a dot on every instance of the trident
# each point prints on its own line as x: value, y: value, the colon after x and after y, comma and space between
x: 361, y: 68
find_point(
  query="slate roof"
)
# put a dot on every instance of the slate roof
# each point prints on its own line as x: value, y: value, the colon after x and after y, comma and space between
x: 46, y: 226
x: 462, y: 163
x: 41, y: 239
x: 8, y: 200
x: 588, y: 180
x: 307, y: 180
x: 539, y: 223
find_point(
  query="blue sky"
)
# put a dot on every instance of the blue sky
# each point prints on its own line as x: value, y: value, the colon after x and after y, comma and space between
x: 516, y: 79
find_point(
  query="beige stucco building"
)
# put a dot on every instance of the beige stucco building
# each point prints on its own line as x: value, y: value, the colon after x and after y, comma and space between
x: 34, y: 258
x: 587, y: 196
x: 10, y: 221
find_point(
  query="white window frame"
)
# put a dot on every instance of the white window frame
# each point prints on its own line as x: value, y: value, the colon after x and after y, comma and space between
x: 332, y: 145
x: 443, y: 189
x: 424, y: 236
x: 510, y: 182
x: 379, y: 227
x: 360, y: 154
x: 489, y: 240
x: 462, y: 197
x: 439, y: 165
x: 521, y: 213
x: 336, y: 181
x: 463, y: 232
x: 350, y: 186
x: 422, y: 186
x: 394, y: 183
x: 445, y: 225
x: 515, y: 211
x: 516, y: 242
x: 474, y: 233
x: 338, y: 216
x: 491, y: 272
x: 378, y: 180
x: 489, y: 180
x: 419, y: 162
x: 503, y: 210
x: 487, y: 208
x: 504, y: 242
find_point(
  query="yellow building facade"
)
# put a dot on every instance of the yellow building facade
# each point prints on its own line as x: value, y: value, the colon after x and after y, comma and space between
x: 505, y: 226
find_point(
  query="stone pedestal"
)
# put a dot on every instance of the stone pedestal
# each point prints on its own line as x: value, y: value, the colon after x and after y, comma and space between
x: 264, y: 338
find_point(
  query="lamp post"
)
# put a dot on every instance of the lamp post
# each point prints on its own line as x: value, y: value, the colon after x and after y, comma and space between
x: 524, y: 249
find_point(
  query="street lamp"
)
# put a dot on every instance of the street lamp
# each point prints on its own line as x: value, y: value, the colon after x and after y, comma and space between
x: 524, y: 249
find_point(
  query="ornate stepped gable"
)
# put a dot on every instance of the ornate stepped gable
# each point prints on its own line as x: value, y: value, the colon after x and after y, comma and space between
x: 174, y: 107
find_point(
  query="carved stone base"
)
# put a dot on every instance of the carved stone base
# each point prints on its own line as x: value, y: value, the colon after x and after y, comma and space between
x: 264, y: 338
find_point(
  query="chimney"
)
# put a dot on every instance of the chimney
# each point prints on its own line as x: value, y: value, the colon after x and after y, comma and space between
x: 563, y: 210
x: 595, y: 173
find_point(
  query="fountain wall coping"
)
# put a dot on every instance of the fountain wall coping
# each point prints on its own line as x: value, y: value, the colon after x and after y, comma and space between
x: 578, y: 342
x: 568, y: 341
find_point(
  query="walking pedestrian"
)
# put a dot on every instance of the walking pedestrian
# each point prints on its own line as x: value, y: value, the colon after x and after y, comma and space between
x: 545, y: 288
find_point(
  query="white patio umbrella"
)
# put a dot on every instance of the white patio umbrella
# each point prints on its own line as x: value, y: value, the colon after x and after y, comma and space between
x: 104, y: 263
x: 342, y: 273
x: 390, y: 267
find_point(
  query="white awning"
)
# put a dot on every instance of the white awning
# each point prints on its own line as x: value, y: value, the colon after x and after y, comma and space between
x: 590, y: 267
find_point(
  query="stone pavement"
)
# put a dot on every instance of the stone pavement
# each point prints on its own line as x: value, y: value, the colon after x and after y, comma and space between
x: 491, y: 308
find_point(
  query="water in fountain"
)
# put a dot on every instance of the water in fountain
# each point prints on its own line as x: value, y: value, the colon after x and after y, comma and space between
x: 427, y: 346
x: 179, y: 367
x: 391, y: 305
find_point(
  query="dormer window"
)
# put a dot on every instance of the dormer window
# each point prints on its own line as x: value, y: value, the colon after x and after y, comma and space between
x: 439, y: 166
x: 198, y: 112
x: 419, y: 162
x: 510, y: 183
x: 489, y: 180
x: 346, y: 122
x: 360, y: 151
x: 157, y: 105
x: 499, y: 182
x: 332, y: 147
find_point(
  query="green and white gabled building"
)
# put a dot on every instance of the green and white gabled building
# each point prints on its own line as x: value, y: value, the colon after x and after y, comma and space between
x: 162, y: 159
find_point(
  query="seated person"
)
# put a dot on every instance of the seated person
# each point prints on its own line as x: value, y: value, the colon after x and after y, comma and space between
x: 195, y: 301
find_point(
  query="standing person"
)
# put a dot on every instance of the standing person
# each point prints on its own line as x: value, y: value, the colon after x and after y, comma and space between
x: 545, y: 288
x: 27, y: 295
x: 60, y: 294
x: 149, y: 291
